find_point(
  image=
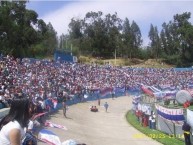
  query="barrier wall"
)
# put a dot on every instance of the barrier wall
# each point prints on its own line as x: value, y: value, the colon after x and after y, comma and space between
x: 3, y: 112
x: 168, y: 127
x: 63, y: 56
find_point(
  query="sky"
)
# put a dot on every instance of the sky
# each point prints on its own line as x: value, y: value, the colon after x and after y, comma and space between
x: 143, y: 12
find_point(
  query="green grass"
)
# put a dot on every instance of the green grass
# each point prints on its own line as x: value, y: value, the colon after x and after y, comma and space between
x: 154, y: 134
x: 177, y: 106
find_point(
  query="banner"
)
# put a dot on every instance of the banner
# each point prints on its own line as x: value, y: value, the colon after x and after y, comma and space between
x: 51, y: 124
x: 189, y: 117
x: 119, y: 89
x: 38, y: 115
x: 167, y: 87
x: 105, y: 91
x: 152, y: 91
x: 147, y: 91
x: 49, y: 137
x: 174, y: 115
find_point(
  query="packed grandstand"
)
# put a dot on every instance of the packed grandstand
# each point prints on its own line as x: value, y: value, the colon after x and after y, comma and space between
x: 42, y: 79
x: 47, y: 83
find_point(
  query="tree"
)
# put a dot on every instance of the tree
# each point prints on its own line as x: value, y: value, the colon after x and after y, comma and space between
x: 169, y: 39
x: 127, y: 37
x: 96, y: 34
x: 136, y: 39
x: 176, y: 39
x: 22, y: 34
x: 113, y: 27
x: 155, y: 42
x: 184, y: 30
x: 75, y: 28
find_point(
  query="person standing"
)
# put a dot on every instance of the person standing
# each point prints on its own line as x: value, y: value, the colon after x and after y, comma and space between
x: 150, y: 121
x: 99, y: 101
x: 106, y: 105
x: 153, y: 121
x: 12, y: 125
x: 113, y: 94
x: 64, y: 108
x: 137, y: 114
x: 186, y: 128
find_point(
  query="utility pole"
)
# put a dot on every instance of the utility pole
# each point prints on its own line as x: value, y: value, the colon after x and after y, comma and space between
x: 66, y: 43
x: 115, y: 57
x: 71, y: 49
x: 62, y: 42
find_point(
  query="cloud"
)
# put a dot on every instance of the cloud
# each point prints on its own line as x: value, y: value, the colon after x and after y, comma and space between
x: 142, y: 12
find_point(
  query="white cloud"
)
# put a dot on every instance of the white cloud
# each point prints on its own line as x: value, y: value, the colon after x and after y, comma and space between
x: 143, y: 12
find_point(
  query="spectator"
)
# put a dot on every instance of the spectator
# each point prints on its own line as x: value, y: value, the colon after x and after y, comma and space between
x: 150, y: 120
x: 64, y: 108
x: 12, y: 125
x: 30, y: 138
x: 186, y: 128
x: 153, y: 119
x: 137, y: 113
x: 106, y: 105
x: 113, y: 94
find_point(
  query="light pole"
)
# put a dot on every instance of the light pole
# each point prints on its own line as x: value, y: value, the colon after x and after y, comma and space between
x: 115, y: 57
x: 66, y: 43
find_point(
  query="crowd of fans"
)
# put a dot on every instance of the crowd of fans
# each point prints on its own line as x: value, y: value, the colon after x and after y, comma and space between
x: 43, y: 81
x: 47, y: 82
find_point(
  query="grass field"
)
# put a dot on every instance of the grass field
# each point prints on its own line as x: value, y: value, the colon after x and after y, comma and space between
x: 154, y: 134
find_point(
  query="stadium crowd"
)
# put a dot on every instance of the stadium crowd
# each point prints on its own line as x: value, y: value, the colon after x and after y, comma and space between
x: 45, y: 81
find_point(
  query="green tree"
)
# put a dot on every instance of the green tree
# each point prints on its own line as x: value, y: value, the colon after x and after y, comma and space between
x: 169, y: 39
x: 127, y: 38
x: 155, y: 42
x: 94, y: 32
x: 184, y: 30
x: 176, y: 40
x: 113, y: 26
x: 21, y: 31
x: 136, y: 38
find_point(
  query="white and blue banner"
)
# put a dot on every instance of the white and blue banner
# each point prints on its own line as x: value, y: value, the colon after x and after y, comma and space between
x: 49, y: 137
x: 119, y: 89
x: 189, y: 117
x: 174, y: 115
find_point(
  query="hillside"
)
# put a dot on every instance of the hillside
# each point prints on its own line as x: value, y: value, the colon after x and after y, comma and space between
x: 150, y: 63
x: 153, y: 63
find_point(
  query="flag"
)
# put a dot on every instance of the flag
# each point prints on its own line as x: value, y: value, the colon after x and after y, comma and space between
x: 49, y: 137
x: 105, y: 91
x: 50, y: 124
x: 69, y: 142
x: 38, y: 115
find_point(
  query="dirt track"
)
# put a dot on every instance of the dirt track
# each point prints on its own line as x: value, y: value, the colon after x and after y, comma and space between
x: 99, y: 128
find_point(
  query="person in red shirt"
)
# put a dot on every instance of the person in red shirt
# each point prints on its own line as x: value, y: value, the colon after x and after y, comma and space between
x: 137, y: 113
x: 186, y: 104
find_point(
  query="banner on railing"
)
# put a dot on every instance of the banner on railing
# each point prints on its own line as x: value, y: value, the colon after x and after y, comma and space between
x: 174, y: 115
x: 119, y: 89
x: 189, y: 117
x: 105, y: 91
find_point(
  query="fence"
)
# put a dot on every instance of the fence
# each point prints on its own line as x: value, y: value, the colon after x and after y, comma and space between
x: 63, y: 56
x: 175, y: 130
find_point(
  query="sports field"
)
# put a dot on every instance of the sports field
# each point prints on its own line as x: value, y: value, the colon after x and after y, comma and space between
x: 99, y: 128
